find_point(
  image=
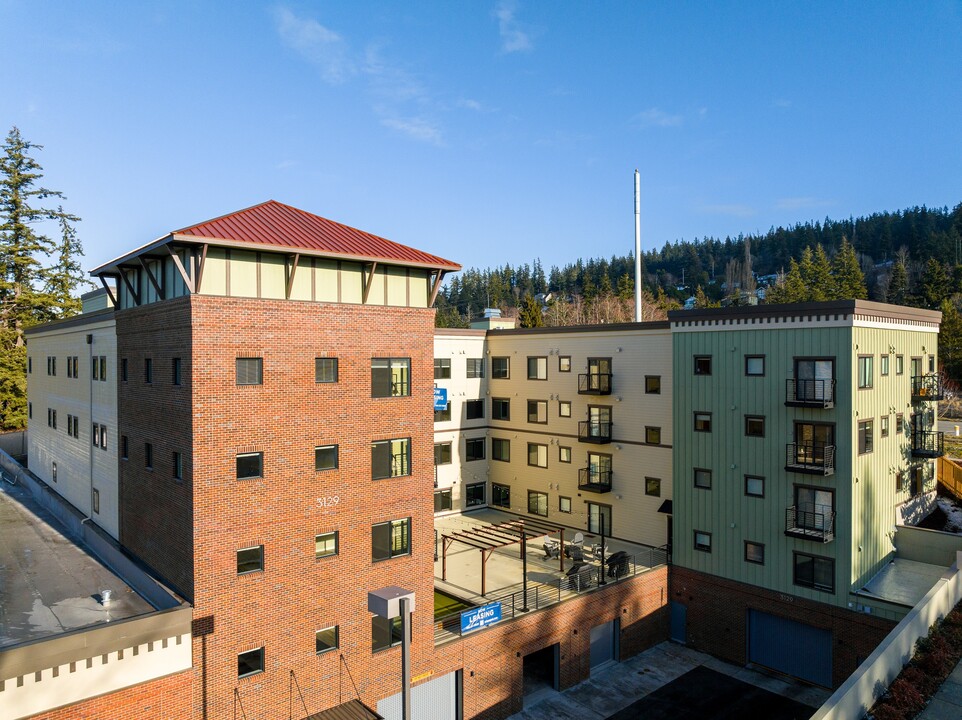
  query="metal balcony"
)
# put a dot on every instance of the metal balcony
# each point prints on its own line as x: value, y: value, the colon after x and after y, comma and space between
x: 927, y: 444
x: 596, y: 383
x: 810, y: 393
x: 810, y: 523
x: 596, y: 481
x: 926, y: 388
x: 813, y: 459
x: 592, y: 431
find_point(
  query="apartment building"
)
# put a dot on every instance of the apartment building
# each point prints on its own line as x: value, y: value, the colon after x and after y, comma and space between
x: 803, y: 435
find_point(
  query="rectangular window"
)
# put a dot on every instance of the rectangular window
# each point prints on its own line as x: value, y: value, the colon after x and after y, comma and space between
x: 599, y: 518
x: 53, y: 471
x: 250, y: 371
x: 564, y: 504
x: 442, y: 500
x: 325, y: 370
x: 702, y: 364
x: 500, y: 409
x: 29, y: 365
x: 326, y: 640
x: 884, y: 426
x: 702, y: 422
x: 390, y: 458
x: 177, y: 463
x: 148, y: 456
x: 537, y: 368
x: 124, y: 448
x: 475, y: 367
x: 474, y: 494
x: 443, y: 415
x: 103, y: 437
x: 754, y: 426
x: 814, y: 572
x: 500, y: 495
x: 148, y: 370
x: 52, y: 418
x: 51, y: 365
x: 754, y: 486
x: 500, y: 368
x: 883, y: 365
x: 94, y: 431
x: 250, y: 560
x: 96, y: 501
x: 176, y: 371
x: 390, y: 377
x: 537, y: 455
x: 442, y: 368
x: 899, y: 423
x: 653, y: 486
x: 123, y: 369
x: 564, y: 454
x: 653, y: 384
x: 70, y: 367
x: 899, y: 364
x: 385, y: 632
x: 103, y: 368
x: 325, y: 544
x: 250, y: 465
x: 865, y: 372
x: 754, y: 552
x: 538, y: 503
x: 250, y: 663
x: 652, y: 435
x: 501, y: 449
x: 702, y: 478
x: 564, y: 363
x: 390, y: 539
x: 866, y: 440
x: 473, y: 449
x: 702, y: 541
x: 30, y: 410
x: 538, y: 411
x: 442, y: 453
x: 564, y: 408
x: 474, y: 409
x: 325, y: 457
x: 754, y: 365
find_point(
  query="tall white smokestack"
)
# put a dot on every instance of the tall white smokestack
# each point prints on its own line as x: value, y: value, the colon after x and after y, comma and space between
x: 637, y: 247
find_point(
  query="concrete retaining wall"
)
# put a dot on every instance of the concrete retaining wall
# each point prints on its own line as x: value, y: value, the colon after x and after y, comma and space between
x: 929, y: 546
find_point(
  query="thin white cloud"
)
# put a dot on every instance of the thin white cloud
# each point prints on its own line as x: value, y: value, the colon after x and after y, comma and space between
x: 801, y: 203
x: 470, y: 104
x: 285, y: 164
x: 320, y: 46
x: 781, y: 103
x: 417, y: 128
x: 513, y: 38
x: 389, y: 82
x: 655, y: 117
x: 733, y: 209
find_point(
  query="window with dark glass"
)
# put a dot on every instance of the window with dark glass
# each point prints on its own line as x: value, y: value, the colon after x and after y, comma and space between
x: 537, y: 368
x: 754, y: 426
x: 473, y: 449
x: 443, y: 415
x: 702, y: 541
x: 250, y: 371
x: 653, y: 384
x: 148, y: 455
x: 537, y: 455
x: 177, y: 465
x: 475, y: 367
x: 866, y: 441
x: 702, y: 478
x: 390, y: 458
x: 501, y: 495
x: 390, y: 539
x: 250, y: 465
x: 325, y: 457
x: 500, y: 367
x: 442, y: 500
x: 814, y: 572
x: 474, y: 409
x: 442, y: 453
x: 538, y: 503
x: 326, y: 640
x: 754, y: 552
x: 653, y: 486
x: 702, y: 365
x: 176, y: 371
x: 250, y: 663
x: 442, y: 368
x: 500, y: 409
x: 385, y: 632
x: 325, y: 370
x: 390, y: 377
x: 538, y: 411
x: 474, y: 494
x: 501, y: 449
x: 250, y: 559
x: 702, y: 422
x: 652, y: 435
x: 148, y: 370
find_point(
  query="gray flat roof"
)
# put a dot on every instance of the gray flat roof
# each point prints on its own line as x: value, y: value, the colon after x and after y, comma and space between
x: 904, y: 581
x: 48, y: 583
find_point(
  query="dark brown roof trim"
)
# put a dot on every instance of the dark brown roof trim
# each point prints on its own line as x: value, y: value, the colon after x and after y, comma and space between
x: 611, y: 327
x: 834, y: 307
x: 75, y: 321
x: 467, y: 332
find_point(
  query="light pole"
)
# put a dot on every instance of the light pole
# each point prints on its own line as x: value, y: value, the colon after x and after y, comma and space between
x: 388, y: 603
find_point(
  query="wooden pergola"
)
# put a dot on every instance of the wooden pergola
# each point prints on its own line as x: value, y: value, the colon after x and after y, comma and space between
x: 489, y: 538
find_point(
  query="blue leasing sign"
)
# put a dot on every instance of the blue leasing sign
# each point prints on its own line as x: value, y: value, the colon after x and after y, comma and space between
x: 479, y: 617
x: 440, y: 398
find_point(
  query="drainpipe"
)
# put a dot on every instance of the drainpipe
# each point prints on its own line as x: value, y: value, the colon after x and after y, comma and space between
x: 90, y: 424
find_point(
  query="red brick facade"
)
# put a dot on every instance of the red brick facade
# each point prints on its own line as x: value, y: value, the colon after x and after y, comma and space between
x: 717, y: 612
x: 162, y: 699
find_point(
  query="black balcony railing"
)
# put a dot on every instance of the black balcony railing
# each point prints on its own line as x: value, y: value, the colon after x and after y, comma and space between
x: 810, y: 522
x: 810, y: 393
x: 811, y: 458
x: 596, y: 383
x: 927, y: 387
x: 593, y: 480
x: 593, y: 431
x: 927, y: 444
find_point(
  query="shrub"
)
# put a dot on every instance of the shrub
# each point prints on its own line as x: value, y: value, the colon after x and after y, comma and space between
x: 905, y: 696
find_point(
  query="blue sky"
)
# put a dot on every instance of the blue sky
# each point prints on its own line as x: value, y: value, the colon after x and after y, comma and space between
x: 488, y: 132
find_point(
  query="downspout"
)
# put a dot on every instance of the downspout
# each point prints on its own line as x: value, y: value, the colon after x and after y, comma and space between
x: 90, y: 424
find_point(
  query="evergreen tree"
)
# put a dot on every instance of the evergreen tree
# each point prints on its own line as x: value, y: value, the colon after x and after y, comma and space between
x: 791, y: 290
x: 950, y: 340
x: 819, y: 280
x: 66, y: 278
x: 626, y: 287
x: 702, y: 300
x: 848, y: 282
x: 530, y: 314
x: 935, y: 284
x: 898, y: 285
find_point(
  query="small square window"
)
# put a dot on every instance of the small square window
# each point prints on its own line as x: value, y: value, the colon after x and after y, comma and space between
x: 537, y: 368
x: 442, y: 453
x: 501, y: 449
x: 442, y: 368
x: 325, y: 544
x: 177, y: 463
x: 754, y: 486
x: 564, y: 454
x: 653, y: 384
x: 474, y: 409
x: 250, y: 465
x: 500, y: 409
x: 500, y: 367
x: 148, y: 456
x: 326, y: 640
x: 176, y: 371
x: 702, y: 422
x: 702, y: 541
x: 564, y: 408
x: 325, y: 370
x: 564, y: 363
x: 250, y: 371
x: 473, y: 449
x: 703, y: 478
x: 250, y: 560
x: 653, y: 486
x: 564, y: 504
x: 754, y: 365
x: 475, y: 367
x: 754, y: 426
x: 652, y: 435
x: 325, y: 457
x: 148, y: 370
x: 754, y: 552
x: 702, y: 364
x: 250, y: 663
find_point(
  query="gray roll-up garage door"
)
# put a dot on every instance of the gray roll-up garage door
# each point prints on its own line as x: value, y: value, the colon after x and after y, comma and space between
x: 790, y: 647
x: 434, y: 700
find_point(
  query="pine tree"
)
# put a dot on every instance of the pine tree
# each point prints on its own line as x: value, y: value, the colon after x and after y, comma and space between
x: 626, y: 287
x: 818, y: 283
x: 950, y: 340
x: 898, y: 285
x: 530, y: 314
x: 935, y: 284
x: 65, y: 279
x: 791, y: 290
x: 848, y: 282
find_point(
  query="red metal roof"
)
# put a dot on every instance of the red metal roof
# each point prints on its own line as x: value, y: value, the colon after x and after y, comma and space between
x: 278, y: 225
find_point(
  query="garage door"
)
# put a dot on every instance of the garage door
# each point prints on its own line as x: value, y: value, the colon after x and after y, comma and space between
x: 790, y: 647
x: 438, y: 699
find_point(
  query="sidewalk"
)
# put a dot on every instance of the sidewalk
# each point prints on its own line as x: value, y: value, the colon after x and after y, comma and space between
x: 946, y: 704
